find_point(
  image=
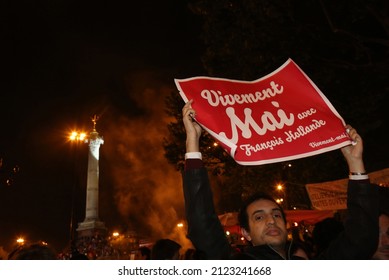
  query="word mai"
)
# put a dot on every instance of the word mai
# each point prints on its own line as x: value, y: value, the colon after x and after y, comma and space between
x: 269, y: 121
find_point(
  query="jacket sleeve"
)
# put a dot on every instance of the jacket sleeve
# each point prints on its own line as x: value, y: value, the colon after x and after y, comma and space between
x: 359, y: 240
x: 204, y: 228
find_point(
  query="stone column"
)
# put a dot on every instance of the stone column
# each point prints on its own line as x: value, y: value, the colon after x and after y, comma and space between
x: 92, y: 224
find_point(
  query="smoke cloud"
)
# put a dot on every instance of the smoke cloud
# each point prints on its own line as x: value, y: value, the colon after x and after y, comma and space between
x: 147, y: 189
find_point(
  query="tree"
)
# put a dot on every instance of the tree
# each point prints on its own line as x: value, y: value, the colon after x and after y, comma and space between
x: 342, y: 46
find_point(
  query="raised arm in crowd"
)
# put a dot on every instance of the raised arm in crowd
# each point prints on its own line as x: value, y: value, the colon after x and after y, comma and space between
x: 263, y: 221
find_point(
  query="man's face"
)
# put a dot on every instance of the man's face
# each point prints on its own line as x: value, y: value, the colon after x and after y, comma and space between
x: 266, y: 224
x: 382, y: 252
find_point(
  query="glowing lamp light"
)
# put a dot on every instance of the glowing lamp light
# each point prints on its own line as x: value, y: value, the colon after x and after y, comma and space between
x: 77, y: 136
x: 20, y: 240
x: 180, y: 225
x: 279, y: 187
x: 279, y: 200
x: 227, y: 233
x: 73, y: 136
x: 82, y: 136
x: 115, y: 234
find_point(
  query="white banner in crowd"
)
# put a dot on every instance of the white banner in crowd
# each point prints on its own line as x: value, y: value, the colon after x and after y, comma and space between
x: 332, y: 195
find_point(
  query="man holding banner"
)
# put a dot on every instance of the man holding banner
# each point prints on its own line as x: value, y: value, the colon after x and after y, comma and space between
x: 262, y: 220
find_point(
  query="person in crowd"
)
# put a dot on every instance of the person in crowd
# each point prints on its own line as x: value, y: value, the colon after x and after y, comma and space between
x: 76, y: 255
x: 263, y: 221
x: 192, y: 254
x: 144, y: 253
x: 382, y: 252
x: 35, y: 251
x: 165, y: 249
x: 324, y: 232
x: 302, y: 248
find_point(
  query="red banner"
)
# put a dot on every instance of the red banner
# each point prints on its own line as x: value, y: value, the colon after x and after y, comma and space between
x: 279, y: 117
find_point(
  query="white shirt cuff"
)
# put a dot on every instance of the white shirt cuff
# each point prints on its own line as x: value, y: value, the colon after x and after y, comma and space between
x: 193, y: 155
x: 358, y: 177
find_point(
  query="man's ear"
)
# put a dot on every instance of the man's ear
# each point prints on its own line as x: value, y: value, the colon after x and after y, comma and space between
x: 245, y: 234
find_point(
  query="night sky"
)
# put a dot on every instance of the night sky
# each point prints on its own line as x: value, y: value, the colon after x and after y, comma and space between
x: 64, y: 61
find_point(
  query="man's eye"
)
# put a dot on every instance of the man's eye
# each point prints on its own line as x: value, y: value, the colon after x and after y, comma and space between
x: 277, y: 216
x: 258, y: 218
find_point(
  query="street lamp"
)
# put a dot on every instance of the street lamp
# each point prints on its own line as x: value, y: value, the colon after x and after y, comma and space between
x: 76, y: 136
x: 280, y: 188
x: 279, y: 200
x: 20, y: 241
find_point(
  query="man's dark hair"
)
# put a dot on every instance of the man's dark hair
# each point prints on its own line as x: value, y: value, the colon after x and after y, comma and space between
x: 164, y: 249
x: 324, y: 232
x: 243, y: 217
